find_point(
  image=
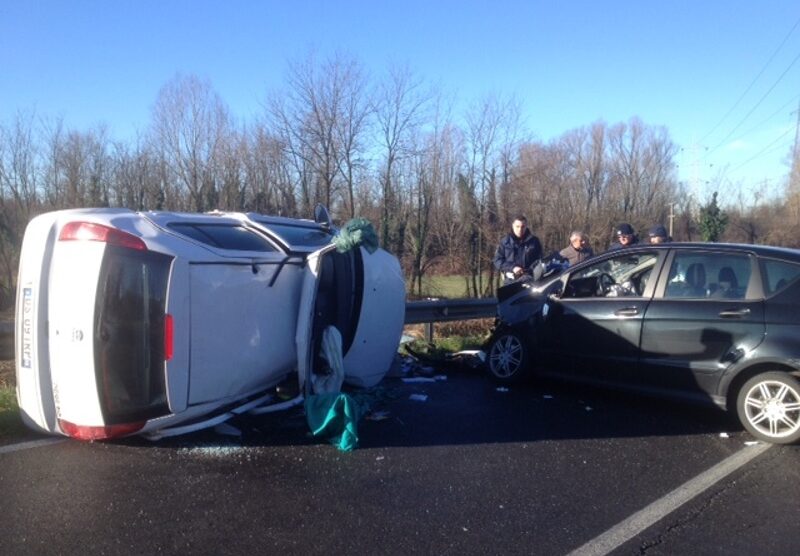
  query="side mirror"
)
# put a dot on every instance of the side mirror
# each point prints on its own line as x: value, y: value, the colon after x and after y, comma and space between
x: 322, y: 216
x: 556, y: 290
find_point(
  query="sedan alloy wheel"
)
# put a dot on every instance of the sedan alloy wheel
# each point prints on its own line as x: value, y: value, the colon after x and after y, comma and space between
x: 508, y: 357
x: 769, y: 407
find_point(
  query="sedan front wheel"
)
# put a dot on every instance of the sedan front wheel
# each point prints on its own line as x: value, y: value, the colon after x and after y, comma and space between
x: 508, y: 359
x: 768, y: 406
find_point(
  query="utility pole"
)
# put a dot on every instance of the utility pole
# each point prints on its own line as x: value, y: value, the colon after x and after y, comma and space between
x: 794, y: 176
x: 794, y: 171
x: 695, y: 181
x: 671, y: 217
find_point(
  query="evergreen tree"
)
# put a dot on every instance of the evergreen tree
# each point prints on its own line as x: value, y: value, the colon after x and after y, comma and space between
x: 713, y: 220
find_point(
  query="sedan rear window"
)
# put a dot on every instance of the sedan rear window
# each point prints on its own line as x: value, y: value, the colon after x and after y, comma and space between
x: 706, y: 275
x: 129, y: 334
x: 224, y: 236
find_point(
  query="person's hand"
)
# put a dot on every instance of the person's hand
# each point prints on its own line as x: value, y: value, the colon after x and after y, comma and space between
x: 517, y: 270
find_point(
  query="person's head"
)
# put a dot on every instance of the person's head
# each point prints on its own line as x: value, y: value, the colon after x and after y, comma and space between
x: 519, y: 226
x: 625, y: 234
x: 658, y: 234
x: 577, y: 239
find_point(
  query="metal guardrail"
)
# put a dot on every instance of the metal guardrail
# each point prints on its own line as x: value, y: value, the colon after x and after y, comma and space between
x: 442, y: 310
x: 417, y: 312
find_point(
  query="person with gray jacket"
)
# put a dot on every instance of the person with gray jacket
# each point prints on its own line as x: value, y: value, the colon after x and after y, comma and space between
x: 578, y: 249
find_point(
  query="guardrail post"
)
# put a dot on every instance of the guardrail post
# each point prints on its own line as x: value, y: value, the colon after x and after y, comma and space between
x: 429, y: 332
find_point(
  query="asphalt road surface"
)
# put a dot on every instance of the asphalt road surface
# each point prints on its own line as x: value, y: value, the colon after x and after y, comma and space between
x: 541, y: 469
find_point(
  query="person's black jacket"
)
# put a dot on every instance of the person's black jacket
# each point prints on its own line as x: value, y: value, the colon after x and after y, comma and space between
x: 617, y: 245
x: 521, y: 252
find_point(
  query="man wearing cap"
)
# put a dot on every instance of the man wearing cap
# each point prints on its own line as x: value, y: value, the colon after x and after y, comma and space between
x: 626, y: 237
x: 517, y: 251
x: 658, y: 234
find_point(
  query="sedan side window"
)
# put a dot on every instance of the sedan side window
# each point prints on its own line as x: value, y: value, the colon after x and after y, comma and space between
x: 701, y: 275
x: 621, y: 276
x: 778, y: 275
x: 224, y: 236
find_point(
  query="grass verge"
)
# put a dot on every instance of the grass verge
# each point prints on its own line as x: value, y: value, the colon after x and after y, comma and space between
x: 11, y: 426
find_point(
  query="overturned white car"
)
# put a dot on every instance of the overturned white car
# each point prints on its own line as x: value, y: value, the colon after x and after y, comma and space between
x: 160, y: 323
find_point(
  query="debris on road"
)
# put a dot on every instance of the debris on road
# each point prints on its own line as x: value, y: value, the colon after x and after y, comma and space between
x: 377, y: 416
x: 335, y: 416
x: 418, y: 397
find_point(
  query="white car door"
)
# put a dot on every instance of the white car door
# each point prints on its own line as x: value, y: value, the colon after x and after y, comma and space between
x: 365, y: 300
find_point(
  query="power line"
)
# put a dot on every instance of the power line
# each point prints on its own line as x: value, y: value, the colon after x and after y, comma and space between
x: 753, y: 82
x: 793, y: 62
x: 768, y: 118
x: 764, y: 150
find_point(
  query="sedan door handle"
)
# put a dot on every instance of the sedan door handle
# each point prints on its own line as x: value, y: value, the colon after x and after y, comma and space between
x: 627, y: 312
x: 734, y: 313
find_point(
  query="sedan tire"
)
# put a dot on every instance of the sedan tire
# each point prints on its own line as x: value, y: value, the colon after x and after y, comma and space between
x: 768, y: 406
x: 508, y: 358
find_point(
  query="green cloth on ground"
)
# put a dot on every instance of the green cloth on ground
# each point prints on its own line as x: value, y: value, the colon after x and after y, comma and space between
x: 355, y: 232
x: 336, y: 417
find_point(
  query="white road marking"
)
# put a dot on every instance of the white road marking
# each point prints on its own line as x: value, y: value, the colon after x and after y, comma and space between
x: 28, y: 445
x: 641, y: 520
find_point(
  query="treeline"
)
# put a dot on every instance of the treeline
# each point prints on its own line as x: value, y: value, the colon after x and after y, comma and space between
x: 440, y: 188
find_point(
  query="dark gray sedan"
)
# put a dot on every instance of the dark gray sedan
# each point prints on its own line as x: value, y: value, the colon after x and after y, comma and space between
x: 711, y: 323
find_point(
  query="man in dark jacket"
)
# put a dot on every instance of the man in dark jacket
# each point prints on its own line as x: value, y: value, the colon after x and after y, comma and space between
x: 658, y: 234
x: 626, y: 237
x: 578, y: 249
x: 517, y: 251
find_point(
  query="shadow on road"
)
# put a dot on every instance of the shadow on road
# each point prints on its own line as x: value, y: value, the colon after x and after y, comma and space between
x: 469, y: 409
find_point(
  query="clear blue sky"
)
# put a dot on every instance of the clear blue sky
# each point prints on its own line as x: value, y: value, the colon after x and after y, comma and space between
x: 681, y: 64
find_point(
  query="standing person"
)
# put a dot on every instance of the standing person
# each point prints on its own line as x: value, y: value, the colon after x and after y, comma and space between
x: 517, y: 251
x: 625, y: 237
x: 578, y: 249
x: 658, y: 234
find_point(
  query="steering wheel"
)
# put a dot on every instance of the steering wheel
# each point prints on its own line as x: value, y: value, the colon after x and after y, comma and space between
x: 604, y: 283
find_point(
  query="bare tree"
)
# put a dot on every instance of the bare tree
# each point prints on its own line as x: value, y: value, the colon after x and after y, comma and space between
x: 189, y: 120
x: 352, y: 128
x: 268, y: 177
x: 400, y: 104
x: 136, y: 182
x: 18, y: 195
x: 321, y: 120
x: 430, y: 178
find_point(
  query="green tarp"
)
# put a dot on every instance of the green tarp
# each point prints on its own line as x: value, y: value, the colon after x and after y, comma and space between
x: 355, y: 232
x: 335, y: 416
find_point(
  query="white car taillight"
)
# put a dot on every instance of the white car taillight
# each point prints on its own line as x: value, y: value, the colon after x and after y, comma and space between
x: 89, y: 231
x: 106, y: 432
x: 169, y: 332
